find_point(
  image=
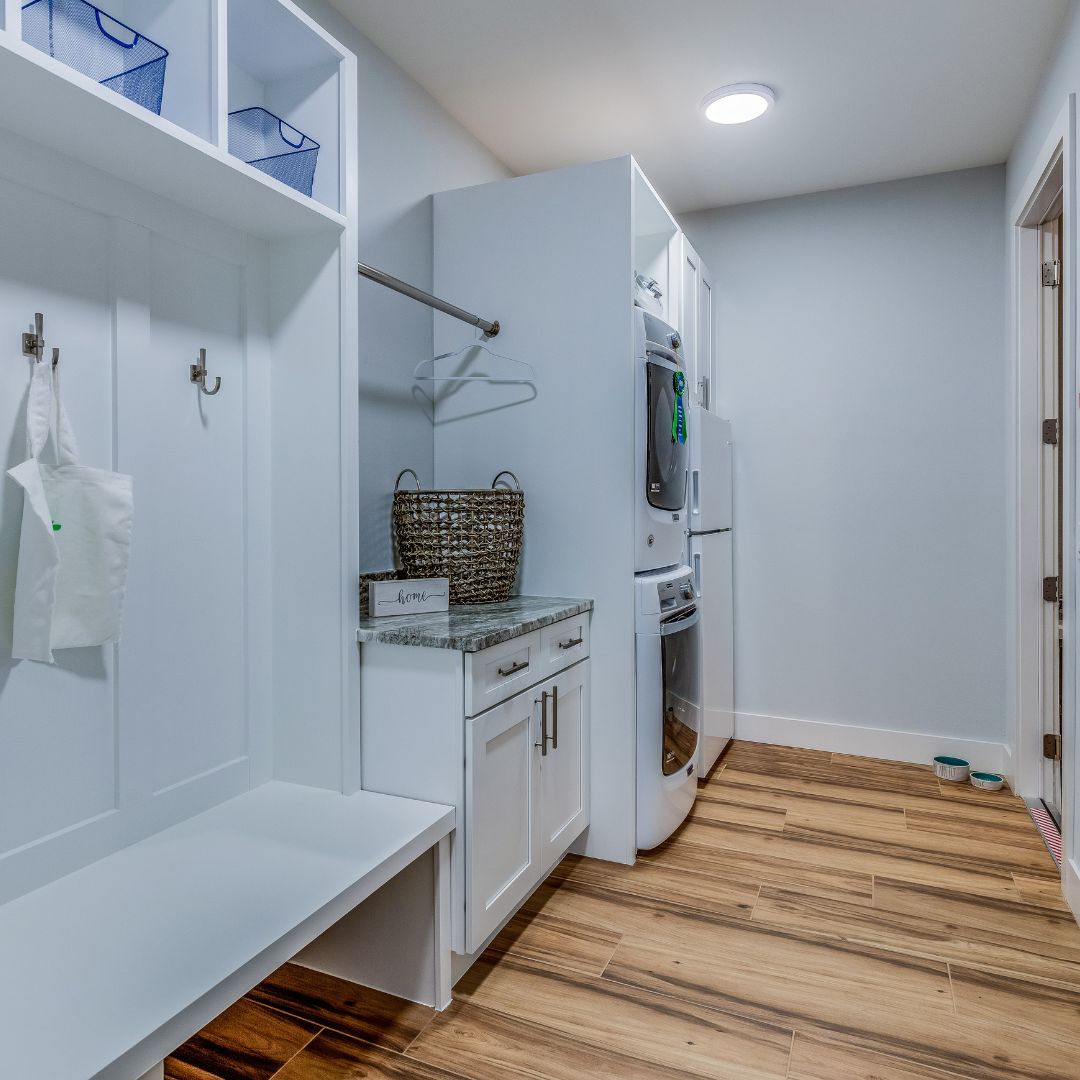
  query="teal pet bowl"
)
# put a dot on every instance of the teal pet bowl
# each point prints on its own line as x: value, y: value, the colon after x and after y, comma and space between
x: 951, y: 768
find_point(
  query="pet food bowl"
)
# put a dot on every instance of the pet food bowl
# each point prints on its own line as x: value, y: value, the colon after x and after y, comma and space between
x: 951, y: 768
x: 987, y: 781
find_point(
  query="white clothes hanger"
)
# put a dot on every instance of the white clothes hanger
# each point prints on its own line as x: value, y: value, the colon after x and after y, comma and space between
x: 527, y: 371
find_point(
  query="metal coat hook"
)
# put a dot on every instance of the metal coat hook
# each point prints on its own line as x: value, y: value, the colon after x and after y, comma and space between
x: 34, y: 344
x: 198, y: 375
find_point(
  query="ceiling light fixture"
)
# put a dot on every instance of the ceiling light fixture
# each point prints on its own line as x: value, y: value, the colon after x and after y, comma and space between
x: 738, y: 103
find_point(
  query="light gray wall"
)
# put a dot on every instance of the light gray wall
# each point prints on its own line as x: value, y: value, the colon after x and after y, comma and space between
x: 409, y: 148
x: 861, y: 358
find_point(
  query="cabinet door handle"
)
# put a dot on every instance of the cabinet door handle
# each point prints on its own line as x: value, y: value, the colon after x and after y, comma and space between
x: 571, y: 643
x: 543, y: 723
x: 521, y: 665
x: 555, y: 718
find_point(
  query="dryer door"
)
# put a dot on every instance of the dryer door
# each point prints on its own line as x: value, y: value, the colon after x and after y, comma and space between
x: 668, y: 448
x: 680, y: 644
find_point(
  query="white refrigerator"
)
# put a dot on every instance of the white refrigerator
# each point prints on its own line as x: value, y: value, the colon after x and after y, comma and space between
x: 710, y: 554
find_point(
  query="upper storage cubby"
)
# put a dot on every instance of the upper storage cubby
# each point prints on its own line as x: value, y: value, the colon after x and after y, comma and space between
x: 156, y: 53
x: 141, y: 91
x: 654, y: 231
x: 284, y: 98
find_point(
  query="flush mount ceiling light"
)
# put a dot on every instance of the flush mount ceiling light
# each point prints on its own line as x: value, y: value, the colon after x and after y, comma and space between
x: 737, y: 103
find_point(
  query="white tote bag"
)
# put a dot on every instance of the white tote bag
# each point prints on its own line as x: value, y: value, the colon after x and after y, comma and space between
x: 76, y: 537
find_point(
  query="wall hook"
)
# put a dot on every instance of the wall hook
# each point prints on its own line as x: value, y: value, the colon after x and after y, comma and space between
x: 198, y: 375
x: 34, y: 344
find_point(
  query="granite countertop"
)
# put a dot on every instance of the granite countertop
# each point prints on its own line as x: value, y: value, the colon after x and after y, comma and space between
x: 471, y: 627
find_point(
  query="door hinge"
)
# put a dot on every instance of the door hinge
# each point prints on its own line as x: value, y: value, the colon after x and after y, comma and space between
x: 1052, y: 747
x: 1051, y: 273
x: 1051, y: 589
x: 1050, y: 432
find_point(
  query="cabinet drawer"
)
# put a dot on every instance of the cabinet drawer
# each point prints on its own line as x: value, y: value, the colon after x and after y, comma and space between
x: 497, y: 673
x: 564, y: 643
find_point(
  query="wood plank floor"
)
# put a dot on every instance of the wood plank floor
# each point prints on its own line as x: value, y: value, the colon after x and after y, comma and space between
x: 818, y: 917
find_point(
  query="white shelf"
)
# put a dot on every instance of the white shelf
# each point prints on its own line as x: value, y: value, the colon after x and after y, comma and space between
x: 56, y: 106
x: 139, y: 950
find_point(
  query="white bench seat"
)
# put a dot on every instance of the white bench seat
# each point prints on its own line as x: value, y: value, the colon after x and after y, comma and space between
x: 103, y: 973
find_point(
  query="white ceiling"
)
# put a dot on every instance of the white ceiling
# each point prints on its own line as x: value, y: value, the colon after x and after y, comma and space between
x: 866, y: 90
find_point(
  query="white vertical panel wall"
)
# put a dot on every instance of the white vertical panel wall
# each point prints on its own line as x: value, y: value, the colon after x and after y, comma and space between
x: 245, y: 520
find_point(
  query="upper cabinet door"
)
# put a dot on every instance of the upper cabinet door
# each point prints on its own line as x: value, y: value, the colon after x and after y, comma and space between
x: 564, y: 770
x: 502, y: 825
x: 705, y: 381
x: 689, y: 271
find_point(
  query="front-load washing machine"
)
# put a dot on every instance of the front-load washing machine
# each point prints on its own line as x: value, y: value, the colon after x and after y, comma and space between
x: 668, y: 659
x: 662, y: 449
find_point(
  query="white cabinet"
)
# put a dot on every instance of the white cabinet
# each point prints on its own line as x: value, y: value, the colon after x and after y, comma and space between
x: 695, y: 322
x: 502, y: 813
x: 502, y: 735
x: 526, y: 795
x: 564, y: 777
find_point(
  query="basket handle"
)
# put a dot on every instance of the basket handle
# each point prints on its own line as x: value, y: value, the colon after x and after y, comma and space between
x: 416, y: 479
x: 112, y: 37
x: 295, y: 145
x: 506, y: 472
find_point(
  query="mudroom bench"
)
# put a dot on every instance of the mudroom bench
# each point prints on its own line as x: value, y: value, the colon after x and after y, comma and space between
x: 107, y: 970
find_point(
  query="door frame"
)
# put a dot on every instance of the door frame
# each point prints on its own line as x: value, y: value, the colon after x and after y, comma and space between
x: 1051, y: 176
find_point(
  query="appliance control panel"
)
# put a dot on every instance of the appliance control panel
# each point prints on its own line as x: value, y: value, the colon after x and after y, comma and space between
x: 675, y: 594
x: 663, y: 594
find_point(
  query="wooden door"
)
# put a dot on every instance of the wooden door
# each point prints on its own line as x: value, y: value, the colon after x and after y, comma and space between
x: 1052, y: 513
x: 564, y: 770
x: 502, y: 825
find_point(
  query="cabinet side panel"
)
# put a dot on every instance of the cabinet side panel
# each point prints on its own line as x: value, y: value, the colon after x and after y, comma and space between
x: 412, y: 738
x: 549, y: 256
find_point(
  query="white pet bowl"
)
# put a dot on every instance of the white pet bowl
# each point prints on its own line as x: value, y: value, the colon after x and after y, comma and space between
x: 951, y: 768
x: 988, y: 781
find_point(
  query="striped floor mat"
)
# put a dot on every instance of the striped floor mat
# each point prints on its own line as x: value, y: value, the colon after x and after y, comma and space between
x: 1047, y: 830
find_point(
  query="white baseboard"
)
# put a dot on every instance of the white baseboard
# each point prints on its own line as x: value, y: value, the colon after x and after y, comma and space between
x: 869, y: 742
x: 1070, y: 886
x: 1008, y: 768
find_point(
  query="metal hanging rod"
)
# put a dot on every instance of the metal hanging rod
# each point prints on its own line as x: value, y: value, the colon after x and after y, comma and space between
x: 403, y: 287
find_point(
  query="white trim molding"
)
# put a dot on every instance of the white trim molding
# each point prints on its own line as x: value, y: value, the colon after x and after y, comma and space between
x: 869, y: 742
x: 1070, y: 884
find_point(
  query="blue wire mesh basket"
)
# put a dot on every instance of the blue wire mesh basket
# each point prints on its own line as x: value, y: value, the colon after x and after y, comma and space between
x: 264, y: 140
x: 112, y: 53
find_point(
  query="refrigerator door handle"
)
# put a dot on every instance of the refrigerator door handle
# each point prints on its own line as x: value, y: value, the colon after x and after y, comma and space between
x: 697, y: 573
x: 695, y: 492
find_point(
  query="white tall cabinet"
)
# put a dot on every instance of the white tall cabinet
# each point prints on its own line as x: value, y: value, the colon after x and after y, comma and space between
x: 554, y: 254
x: 695, y: 321
x: 142, y: 240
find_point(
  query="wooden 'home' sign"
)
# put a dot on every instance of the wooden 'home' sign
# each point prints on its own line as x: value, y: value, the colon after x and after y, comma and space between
x: 414, y: 596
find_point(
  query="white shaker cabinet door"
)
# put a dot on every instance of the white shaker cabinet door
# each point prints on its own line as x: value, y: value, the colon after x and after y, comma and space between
x: 564, y: 770
x: 502, y: 824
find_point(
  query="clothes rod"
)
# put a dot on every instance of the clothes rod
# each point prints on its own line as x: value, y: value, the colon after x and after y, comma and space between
x: 403, y: 287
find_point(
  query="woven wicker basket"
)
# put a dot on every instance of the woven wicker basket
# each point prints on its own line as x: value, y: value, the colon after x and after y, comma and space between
x: 472, y: 537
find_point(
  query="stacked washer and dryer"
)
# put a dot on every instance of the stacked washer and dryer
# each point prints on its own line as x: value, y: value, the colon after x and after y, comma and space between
x: 683, y: 584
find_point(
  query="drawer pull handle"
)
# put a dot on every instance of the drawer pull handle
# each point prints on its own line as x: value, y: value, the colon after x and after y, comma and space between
x: 571, y: 643
x: 543, y: 723
x: 521, y: 665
